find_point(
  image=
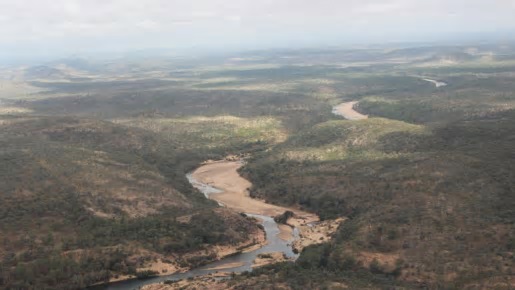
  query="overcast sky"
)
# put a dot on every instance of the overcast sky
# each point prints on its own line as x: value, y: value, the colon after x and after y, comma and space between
x: 74, y: 26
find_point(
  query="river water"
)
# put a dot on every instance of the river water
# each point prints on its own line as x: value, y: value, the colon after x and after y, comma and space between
x: 275, y: 244
x: 436, y: 83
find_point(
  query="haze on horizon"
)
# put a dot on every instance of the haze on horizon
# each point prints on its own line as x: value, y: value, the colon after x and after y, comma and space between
x: 55, y: 27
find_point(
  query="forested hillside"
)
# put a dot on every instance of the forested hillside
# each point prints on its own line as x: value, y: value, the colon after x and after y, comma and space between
x: 84, y: 201
x: 93, y: 164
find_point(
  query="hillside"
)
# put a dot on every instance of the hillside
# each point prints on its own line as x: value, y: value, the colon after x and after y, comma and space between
x: 413, y: 197
x: 93, y: 187
x: 83, y: 201
x: 431, y: 202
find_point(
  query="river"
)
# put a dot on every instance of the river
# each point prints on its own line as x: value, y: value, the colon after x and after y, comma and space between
x: 346, y: 110
x: 242, y: 261
x: 435, y: 82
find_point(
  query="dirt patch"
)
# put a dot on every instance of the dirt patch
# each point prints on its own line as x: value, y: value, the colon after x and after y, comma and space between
x: 499, y: 282
x: 160, y: 267
x: 386, y: 261
x: 312, y: 234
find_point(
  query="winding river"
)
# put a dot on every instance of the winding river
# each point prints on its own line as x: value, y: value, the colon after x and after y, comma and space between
x: 230, y: 191
x: 346, y: 110
x: 435, y: 82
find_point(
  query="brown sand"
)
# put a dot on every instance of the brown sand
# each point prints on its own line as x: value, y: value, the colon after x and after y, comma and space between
x: 285, y: 233
x: 202, y: 282
x: 347, y: 111
x: 269, y: 258
x: 227, y: 266
x: 161, y: 268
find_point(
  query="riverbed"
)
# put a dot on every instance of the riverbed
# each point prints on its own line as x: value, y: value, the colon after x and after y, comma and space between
x: 437, y: 84
x: 239, y: 263
x: 346, y: 110
x: 231, y: 184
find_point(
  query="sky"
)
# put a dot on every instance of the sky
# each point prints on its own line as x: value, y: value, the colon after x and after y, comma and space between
x: 53, y: 27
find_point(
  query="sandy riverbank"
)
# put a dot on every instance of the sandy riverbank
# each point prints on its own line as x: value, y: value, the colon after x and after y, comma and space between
x: 256, y: 240
x: 347, y: 111
x: 269, y: 258
x: 224, y: 176
x: 204, y: 282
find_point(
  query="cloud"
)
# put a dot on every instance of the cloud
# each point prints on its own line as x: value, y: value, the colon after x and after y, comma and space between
x: 203, y: 14
x: 380, y: 7
x: 233, y: 18
x: 212, y: 22
x: 72, y: 7
x: 182, y: 23
x: 148, y: 24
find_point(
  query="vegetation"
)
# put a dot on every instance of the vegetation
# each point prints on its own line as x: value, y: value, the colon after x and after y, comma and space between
x: 283, y: 218
x: 84, y: 201
x: 436, y: 196
x: 92, y: 170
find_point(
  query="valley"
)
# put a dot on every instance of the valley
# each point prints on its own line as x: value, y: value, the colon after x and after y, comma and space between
x: 118, y: 171
x: 220, y: 181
